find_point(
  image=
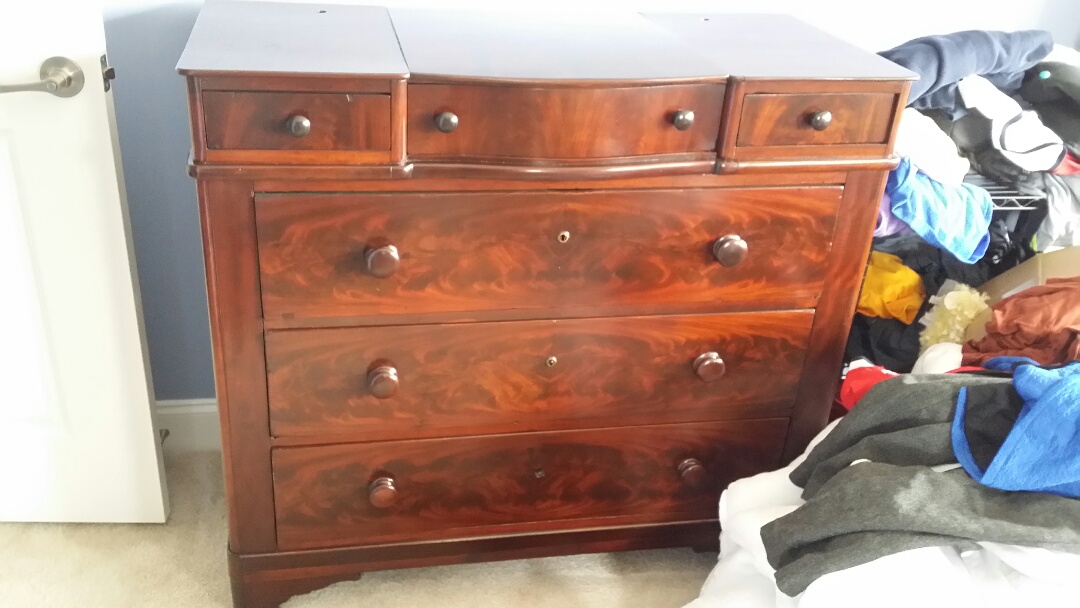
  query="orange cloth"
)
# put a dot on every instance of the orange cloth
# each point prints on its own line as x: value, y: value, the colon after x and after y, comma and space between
x: 1040, y: 322
x: 891, y: 290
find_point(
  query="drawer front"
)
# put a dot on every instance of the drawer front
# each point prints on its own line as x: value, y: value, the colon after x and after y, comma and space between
x: 563, y: 123
x: 475, y: 378
x: 790, y: 119
x: 367, y: 494
x: 563, y: 254
x: 237, y: 120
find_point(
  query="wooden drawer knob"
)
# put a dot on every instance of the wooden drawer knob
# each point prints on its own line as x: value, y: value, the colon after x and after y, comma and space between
x: 382, y: 261
x: 683, y: 119
x: 298, y: 125
x: 382, y: 492
x: 820, y: 120
x: 446, y: 122
x: 692, y: 472
x: 730, y: 250
x: 709, y: 366
x: 382, y: 382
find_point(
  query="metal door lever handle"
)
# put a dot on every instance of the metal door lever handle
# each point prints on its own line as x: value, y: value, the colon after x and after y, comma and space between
x: 60, y: 76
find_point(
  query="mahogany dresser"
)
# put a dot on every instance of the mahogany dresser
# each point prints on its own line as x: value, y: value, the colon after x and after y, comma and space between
x: 490, y: 286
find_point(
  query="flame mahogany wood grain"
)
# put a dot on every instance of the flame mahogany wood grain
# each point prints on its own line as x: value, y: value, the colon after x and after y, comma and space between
x: 268, y: 580
x: 227, y: 214
x: 496, y: 251
x: 242, y: 120
x: 832, y: 321
x: 783, y: 120
x: 501, y: 121
x: 755, y: 105
x: 471, y: 379
x: 503, y: 484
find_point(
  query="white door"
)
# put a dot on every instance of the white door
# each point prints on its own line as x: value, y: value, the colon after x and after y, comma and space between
x: 77, y: 440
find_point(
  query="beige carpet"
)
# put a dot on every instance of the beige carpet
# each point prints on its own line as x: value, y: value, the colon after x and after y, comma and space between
x: 182, y: 565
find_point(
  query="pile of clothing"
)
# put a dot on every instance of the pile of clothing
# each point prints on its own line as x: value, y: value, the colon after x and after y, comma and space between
x: 935, y: 490
x: 1002, y: 104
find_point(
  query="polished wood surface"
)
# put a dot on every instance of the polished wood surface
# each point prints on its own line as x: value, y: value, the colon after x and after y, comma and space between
x: 774, y: 115
x: 544, y: 45
x: 487, y: 252
x: 845, y: 268
x: 291, y: 38
x: 557, y: 320
x: 267, y: 580
x: 512, y: 483
x: 227, y: 215
x: 470, y: 379
x: 241, y: 120
x: 774, y: 47
x: 785, y: 120
x: 592, y: 122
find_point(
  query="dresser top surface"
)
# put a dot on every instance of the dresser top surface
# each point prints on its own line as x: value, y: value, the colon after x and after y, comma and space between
x: 325, y: 39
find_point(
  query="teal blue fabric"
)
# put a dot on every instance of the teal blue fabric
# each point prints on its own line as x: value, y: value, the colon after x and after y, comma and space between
x: 1041, y: 453
x: 955, y: 218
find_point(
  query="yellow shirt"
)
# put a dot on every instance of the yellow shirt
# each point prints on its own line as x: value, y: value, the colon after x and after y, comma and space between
x: 891, y: 290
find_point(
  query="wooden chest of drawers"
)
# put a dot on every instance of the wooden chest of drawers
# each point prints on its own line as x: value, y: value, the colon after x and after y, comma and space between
x: 485, y: 287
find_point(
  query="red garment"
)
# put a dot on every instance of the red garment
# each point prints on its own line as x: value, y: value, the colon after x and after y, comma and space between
x: 1041, y: 322
x: 859, y: 381
x: 1069, y: 166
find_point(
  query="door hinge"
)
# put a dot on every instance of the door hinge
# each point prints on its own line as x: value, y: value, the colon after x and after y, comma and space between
x: 108, y: 73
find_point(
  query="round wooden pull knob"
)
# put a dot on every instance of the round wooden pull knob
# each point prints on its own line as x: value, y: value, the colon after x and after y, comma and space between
x: 382, y: 492
x: 298, y: 126
x: 730, y: 250
x: 683, y: 119
x: 382, y: 261
x: 692, y: 472
x: 446, y: 122
x: 382, y: 382
x: 820, y: 120
x: 709, y: 366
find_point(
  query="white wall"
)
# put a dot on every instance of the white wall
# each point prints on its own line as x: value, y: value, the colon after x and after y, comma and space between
x: 145, y: 38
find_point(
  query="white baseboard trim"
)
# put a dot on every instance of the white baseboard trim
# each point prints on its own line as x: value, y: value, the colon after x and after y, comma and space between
x: 192, y: 425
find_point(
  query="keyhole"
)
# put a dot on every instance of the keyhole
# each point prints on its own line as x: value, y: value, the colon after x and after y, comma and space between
x: 564, y: 236
x: 551, y: 361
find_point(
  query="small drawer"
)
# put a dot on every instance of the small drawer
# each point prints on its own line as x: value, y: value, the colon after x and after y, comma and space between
x: 507, y: 122
x: 816, y: 119
x: 295, y: 122
x: 366, y: 257
x: 378, y: 493
x: 478, y: 378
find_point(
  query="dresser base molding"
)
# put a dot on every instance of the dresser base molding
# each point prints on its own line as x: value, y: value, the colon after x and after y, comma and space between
x: 267, y: 580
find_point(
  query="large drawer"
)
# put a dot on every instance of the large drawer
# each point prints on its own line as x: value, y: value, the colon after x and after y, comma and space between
x: 476, y: 378
x: 378, y: 493
x: 504, y: 122
x: 336, y: 256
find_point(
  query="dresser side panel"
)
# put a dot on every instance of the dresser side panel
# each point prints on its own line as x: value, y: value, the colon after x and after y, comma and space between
x: 227, y: 214
x: 836, y: 307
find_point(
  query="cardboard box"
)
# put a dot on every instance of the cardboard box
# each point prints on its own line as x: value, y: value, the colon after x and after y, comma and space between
x: 1061, y: 263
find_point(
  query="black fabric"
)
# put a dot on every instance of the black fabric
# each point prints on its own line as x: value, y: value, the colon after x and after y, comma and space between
x: 1007, y: 249
x: 885, y: 342
x: 991, y: 413
x: 1056, y: 99
x: 942, y: 61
